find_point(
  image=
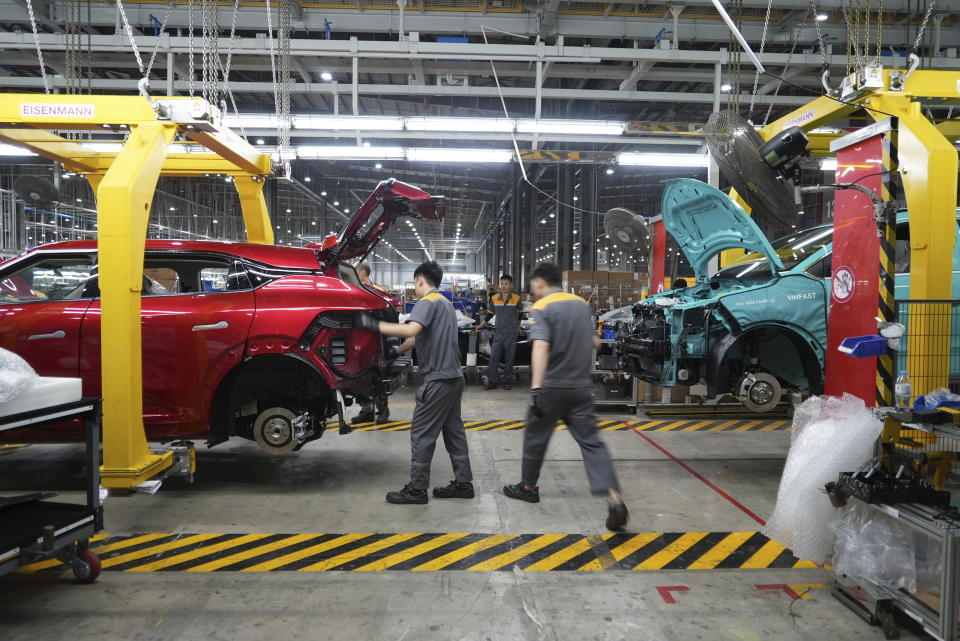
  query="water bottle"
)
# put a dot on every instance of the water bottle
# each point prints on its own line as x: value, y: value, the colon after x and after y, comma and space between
x: 903, y: 390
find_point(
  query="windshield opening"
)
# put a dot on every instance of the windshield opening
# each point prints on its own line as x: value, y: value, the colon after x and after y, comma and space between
x: 792, y: 249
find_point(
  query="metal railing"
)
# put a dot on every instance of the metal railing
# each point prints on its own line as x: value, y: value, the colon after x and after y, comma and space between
x: 930, y: 351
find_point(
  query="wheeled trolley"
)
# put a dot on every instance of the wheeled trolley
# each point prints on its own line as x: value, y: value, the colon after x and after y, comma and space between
x: 34, y: 528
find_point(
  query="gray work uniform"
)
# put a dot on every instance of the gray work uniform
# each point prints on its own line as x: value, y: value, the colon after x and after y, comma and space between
x: 437, y: 410
x: 503, y: 347
x: 564, y: 320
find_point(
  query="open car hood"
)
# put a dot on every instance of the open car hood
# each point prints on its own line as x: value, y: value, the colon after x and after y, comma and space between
x: 390, y: 200
x: 704, y: 221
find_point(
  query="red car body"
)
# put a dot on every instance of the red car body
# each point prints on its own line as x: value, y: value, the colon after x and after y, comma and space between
x: 239, y: 339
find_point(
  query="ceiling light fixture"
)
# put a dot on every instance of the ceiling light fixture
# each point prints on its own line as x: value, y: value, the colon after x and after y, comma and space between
x: 661, y: 159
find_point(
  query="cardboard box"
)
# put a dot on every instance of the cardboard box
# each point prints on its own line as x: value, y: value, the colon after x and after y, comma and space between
x: 623, y: 278
x: 577, y: 281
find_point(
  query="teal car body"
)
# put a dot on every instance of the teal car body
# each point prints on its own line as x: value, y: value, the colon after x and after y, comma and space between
x: 760, y: 320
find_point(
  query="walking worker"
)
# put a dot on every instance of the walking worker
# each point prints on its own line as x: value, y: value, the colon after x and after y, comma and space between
x: 432, y: 328
x: 506, y: 306
x: 378, y: 396
x: 560, y: 388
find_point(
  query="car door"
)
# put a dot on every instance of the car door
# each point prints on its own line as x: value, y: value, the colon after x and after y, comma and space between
x: 43, y: 299
x: 196, y: 312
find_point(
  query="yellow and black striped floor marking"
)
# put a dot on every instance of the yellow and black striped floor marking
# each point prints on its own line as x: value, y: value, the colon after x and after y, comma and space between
x: 417, y: 551
x: 643, y: 425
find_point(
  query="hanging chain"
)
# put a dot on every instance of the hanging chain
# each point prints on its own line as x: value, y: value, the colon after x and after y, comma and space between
x: 733, y: 100
x: 283, y: 42
x: 209, y: 16
x: 71, y: 31
x: 763, y: 43
x: 156, y: 47
x: 190, y: 43
x: 36, y: 41
x: 923, y: 25
x: 133, y: 42
x: 89, y: 74
x: 847, y: 8
x: 273, y: 64
x: 226, y: 68
x: 879, y: 33
x: 793, y: 47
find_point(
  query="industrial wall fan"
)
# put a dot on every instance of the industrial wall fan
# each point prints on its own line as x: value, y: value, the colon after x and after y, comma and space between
x: 35, y: 191
x: 759, y: 174
x: 628, y: 231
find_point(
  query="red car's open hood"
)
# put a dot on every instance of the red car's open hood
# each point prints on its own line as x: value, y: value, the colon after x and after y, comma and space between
x: 361, y: 233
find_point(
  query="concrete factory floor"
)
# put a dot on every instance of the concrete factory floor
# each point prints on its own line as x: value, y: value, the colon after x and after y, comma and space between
x: 701, y: 489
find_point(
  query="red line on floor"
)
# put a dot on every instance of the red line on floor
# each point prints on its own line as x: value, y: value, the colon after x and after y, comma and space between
x: 700, y: 477
x: 665, y: 591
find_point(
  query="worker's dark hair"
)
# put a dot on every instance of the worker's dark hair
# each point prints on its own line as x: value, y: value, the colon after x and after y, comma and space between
x: 431, y: 271
x: 507, y: 277
x: 550, y: 272
x: 680, y: 283
x: 364, y: 267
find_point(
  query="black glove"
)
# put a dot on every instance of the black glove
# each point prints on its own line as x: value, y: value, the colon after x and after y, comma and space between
x: 536, y: 402
x: 366, y: 320
x: 392, y: 353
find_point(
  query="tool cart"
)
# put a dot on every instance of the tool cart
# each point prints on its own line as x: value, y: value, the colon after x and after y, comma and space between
x: 32, y: 527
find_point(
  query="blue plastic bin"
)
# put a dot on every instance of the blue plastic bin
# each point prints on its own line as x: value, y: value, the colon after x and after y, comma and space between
x: 864, y: 346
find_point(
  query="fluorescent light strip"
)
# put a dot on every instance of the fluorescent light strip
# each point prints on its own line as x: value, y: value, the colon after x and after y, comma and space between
x: 571, y: 127
x: 306, y: 122
x: 662, y: 160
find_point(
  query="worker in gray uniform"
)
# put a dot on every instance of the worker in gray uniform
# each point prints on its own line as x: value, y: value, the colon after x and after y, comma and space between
x: 561, y: 388
x: 506, y: 306
x: 432, y: 328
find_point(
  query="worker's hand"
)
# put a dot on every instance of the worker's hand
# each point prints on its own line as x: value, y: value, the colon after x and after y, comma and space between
x: 366, y: 320
x: 392, y: 353
x: 536, y: 402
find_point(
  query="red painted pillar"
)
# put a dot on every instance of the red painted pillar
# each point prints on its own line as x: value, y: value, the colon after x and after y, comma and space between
x: 855, y: 263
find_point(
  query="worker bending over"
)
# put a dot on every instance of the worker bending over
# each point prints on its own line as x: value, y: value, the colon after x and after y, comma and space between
x: 506, y: 307
x: 432, y: 327
x: 378, y: 395
x: 561, y: 388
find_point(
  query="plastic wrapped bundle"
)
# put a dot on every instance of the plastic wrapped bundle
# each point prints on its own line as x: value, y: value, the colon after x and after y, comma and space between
x: 875, y: 547
x: 16, y: 376
x: 831, y: 435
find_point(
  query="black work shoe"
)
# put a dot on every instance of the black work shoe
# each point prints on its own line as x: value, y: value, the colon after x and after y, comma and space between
x: 522, y: 493
x: 508, y: 386
x: 407, y: 495
x: 490, y: 386
x: 454, y: 491
x: 617, y: 516
x: 383, y: 418
x: 362, y: 418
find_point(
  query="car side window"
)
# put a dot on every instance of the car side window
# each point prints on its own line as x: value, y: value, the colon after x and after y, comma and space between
x: 821, y: 268
x: 48, y: 278
x: 167, y: 275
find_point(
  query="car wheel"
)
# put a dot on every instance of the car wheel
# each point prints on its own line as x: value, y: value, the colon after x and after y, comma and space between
x: 759, y: 392
x: 278, y: 430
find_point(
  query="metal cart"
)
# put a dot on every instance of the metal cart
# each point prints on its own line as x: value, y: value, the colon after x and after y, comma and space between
x: 32, y: 527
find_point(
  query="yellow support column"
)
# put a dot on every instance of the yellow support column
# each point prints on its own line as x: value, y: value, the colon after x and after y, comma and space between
x: 256, y: 216
x: 124, y: 197
x: 928, y: 171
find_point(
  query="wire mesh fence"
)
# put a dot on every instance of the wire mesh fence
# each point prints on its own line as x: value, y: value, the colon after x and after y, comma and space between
x: 930, y: 351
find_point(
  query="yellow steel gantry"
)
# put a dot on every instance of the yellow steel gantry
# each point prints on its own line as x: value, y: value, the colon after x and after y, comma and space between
x: 928, y: 172
x: 124, y: 184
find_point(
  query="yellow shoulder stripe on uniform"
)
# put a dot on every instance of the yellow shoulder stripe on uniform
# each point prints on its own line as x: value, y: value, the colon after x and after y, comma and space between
x: 496, y: 299
x: 432, y: 296
x: 556, y: 297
